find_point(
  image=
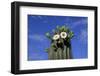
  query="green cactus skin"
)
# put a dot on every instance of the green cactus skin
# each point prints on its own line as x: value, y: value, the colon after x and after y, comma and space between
x: 59, y: 53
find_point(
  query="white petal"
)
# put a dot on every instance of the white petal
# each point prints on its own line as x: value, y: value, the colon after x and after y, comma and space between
x: 63, y: 34
x: 56, y: 37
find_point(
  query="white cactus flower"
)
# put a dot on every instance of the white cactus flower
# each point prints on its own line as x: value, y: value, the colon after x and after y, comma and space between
x: 63, y: 35
x: 56, y: 37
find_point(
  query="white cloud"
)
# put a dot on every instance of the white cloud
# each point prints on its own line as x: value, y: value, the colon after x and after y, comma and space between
x: 45, y: 21
x: 37, y: 37
x: 33, y: 16
x: 83, y: 36
x: 36, y: 16
x: 40, y: 17
x: 79, y: 22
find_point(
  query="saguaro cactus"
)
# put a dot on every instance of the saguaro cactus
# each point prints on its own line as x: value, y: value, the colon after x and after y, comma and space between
x: 60, y: 47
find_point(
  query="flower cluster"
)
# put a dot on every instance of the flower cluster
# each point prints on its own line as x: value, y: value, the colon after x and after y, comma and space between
x: 62, y: 35
x: 60, y: 32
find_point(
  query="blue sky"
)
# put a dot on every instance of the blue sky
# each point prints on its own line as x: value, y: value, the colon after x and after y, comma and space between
x: 38, y: 25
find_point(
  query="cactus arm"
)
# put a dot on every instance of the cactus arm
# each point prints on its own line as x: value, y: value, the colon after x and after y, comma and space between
x: 60, y: 53
x: 51, y: 52
x: 64, y: 52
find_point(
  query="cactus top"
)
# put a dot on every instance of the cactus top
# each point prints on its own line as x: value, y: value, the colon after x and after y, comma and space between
x: 62, y: 32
